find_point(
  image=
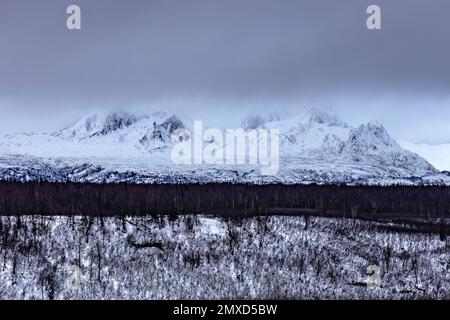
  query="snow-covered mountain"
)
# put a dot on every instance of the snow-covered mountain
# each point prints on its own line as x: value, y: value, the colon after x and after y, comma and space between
x: 122, y: 146
x: 437, y: 154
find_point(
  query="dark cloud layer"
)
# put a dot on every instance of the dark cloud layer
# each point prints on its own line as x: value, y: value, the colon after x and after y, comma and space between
x: 240, y: 52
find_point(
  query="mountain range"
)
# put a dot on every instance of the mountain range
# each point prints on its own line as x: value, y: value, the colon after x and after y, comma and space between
x: 315, y: 147
x: 437, y: 154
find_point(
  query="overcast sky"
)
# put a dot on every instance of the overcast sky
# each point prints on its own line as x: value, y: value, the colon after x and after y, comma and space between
x: 228, y: 58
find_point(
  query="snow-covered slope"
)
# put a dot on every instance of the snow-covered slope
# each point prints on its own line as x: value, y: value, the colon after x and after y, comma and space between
x: 121, y: 146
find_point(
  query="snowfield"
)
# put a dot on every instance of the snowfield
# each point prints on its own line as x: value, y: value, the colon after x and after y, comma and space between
x: 205, y: 257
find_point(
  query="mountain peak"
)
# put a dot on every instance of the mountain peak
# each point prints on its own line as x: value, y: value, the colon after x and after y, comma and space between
x: 99, y: 124
x: 376, y: 133
x: 161, y: 132
x: 114, y: 121
x: 256, y: 121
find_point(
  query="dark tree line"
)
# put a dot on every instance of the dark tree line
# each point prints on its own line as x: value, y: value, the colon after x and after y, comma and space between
x: 43, y: 198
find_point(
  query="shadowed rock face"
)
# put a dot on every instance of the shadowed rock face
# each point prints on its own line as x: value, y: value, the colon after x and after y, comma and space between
x: 171, y: 124
x: 161, y: 133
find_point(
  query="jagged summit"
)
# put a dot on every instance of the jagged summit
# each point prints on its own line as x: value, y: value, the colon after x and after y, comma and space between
x: 372, y: 136
x: 322, y: 117
x: 160, y: 132
x: 257, y: 121
x: 122, y: 127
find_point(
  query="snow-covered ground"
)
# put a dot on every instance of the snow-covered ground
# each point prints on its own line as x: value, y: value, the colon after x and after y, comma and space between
x: 205, y: 257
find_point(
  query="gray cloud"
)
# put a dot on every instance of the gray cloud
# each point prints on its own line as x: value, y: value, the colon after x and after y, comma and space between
x: 243, y: 53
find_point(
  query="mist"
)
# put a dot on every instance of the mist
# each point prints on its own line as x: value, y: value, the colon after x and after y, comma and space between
x: 227, y: 59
